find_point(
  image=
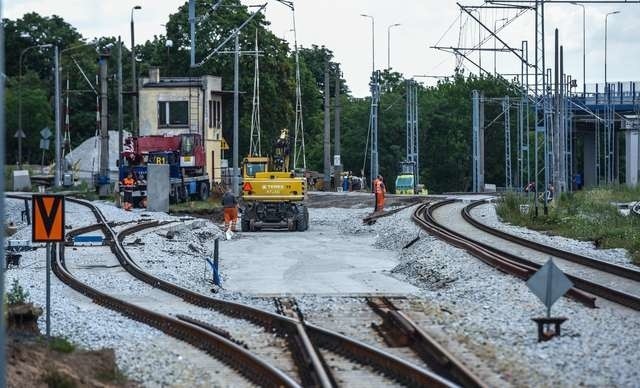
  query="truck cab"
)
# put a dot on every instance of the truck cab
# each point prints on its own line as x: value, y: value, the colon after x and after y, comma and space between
x: 406, y: 179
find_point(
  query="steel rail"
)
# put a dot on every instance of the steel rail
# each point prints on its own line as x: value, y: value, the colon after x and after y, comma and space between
x: 371, y: 218
x: 398, y: 325
x: 238, y: 358
x: 496, y: 258
x: 583, y: 290
x: 393, y: 367
x: 307, y: 356
x: 600, y: 265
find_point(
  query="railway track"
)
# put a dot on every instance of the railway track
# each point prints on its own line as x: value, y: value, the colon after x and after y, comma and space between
x: 219, y: 344
x: 373, y: 217
x: 507, y: 261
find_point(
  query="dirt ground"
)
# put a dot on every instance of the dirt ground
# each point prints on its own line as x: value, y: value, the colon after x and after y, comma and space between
x: 32, y: 363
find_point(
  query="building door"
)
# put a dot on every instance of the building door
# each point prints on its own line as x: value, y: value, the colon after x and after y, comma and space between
x: 213, y: 166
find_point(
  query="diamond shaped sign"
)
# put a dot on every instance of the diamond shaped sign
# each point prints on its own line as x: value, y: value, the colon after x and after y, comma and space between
x: 549, y: 283
x: 19, y: 134
x: 45, y: 133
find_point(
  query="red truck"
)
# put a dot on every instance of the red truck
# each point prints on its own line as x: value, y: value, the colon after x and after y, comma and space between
x: 183, y: 153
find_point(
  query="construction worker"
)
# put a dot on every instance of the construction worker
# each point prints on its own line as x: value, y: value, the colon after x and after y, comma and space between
x: 129, y: 184
x: 380, y: 190
x: 374, y: 185
x: 230, y: 204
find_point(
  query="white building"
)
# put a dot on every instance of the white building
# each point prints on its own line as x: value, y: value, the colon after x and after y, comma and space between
x: 176, y: 105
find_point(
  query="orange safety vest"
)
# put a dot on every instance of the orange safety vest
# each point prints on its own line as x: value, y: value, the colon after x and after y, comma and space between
x: 379, y: 186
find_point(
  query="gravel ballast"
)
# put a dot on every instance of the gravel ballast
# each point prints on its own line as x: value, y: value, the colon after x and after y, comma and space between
x: 490, y: 313
x: 487, y: 214
x: 484, y: 316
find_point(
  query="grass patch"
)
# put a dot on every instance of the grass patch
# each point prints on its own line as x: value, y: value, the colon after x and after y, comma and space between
x: 114, y: 376
x: 55, y: 379
x: 586, y: 215
x: 202, y: 207
x: 61, y: 344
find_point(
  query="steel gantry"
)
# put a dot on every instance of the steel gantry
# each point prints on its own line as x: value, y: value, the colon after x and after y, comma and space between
x: 412, y: 125
x: 373, y: 123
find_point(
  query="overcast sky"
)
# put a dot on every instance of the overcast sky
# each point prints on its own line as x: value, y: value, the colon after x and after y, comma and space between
x: 338, y: 25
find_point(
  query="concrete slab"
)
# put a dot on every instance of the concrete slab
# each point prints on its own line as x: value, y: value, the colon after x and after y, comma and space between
x: 158, y: 187
x: 318, y: 261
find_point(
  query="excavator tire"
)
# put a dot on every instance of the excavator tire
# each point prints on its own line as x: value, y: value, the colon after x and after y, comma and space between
x: 244, y: 225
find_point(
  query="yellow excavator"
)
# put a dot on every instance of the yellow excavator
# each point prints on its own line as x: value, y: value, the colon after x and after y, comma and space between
x: 273, y: 196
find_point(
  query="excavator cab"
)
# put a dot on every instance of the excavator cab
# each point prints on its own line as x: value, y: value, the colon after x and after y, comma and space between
x: 252, y: 165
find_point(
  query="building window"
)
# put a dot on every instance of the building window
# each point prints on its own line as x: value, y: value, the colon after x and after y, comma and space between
x: 217, y: 114
x: 210, y: 113
x: 173, y: 114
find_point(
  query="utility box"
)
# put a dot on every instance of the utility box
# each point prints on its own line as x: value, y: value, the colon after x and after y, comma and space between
x: 67, y: 179
x: 21, y: 180
x: 158, y: 187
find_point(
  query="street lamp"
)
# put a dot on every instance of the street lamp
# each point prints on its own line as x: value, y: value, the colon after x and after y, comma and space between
x: 134, y: 86
x: 606, y: 21
x: 389, y: 44
x: 584, y: 51
x: 373, y: 42
x: 495, y: 48
x: 607, y: 90
x: 20, y: 131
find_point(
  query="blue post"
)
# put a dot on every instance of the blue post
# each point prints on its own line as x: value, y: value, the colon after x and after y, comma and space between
x: 215, y: 263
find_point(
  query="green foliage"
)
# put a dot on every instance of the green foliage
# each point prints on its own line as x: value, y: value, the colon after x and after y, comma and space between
x: 55, y: 379
x: 17, y: 295
x: 585, y: 215
x: 61, y: 344
x: 444, y: 109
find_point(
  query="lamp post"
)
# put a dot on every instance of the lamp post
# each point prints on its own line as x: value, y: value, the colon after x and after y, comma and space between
x: 584, y: 51
x: 134, y: 85
x: 495, y: 48
x: 373, y: 42
x: 611, y: 138
x: 20, y: 131
x: 389, y: 44
x: 606, y: 21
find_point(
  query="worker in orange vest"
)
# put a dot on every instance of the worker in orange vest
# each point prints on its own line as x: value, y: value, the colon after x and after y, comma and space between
x: 380, y: 190
x: 129, y: 184
x: 230, y: 204
x: 374, y: 184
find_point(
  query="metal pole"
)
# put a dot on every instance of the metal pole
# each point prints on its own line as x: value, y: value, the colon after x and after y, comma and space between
x: 373, y: 41
x: 389, y: 44
x: 192, y: 23
x: 57, y: 115
x: 556, y: 150
x: 3, y: 339
x: 236, y: 75
x: 327, y: 129
x: 104, y: 127
x: 20, y: 108
x: 120, y: 124
x: 475, y: 134
x: 336, y: 128
x: 584, y: 53
x: 48, y: 296
x: 134, y: 82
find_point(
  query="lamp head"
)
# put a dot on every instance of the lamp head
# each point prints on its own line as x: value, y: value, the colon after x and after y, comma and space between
x: 137, y: 7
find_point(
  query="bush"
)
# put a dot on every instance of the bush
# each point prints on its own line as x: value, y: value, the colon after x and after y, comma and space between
x: 17, y: 295
x: 61, y: 345
x: 55, y: 379
x: 584, y: 215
